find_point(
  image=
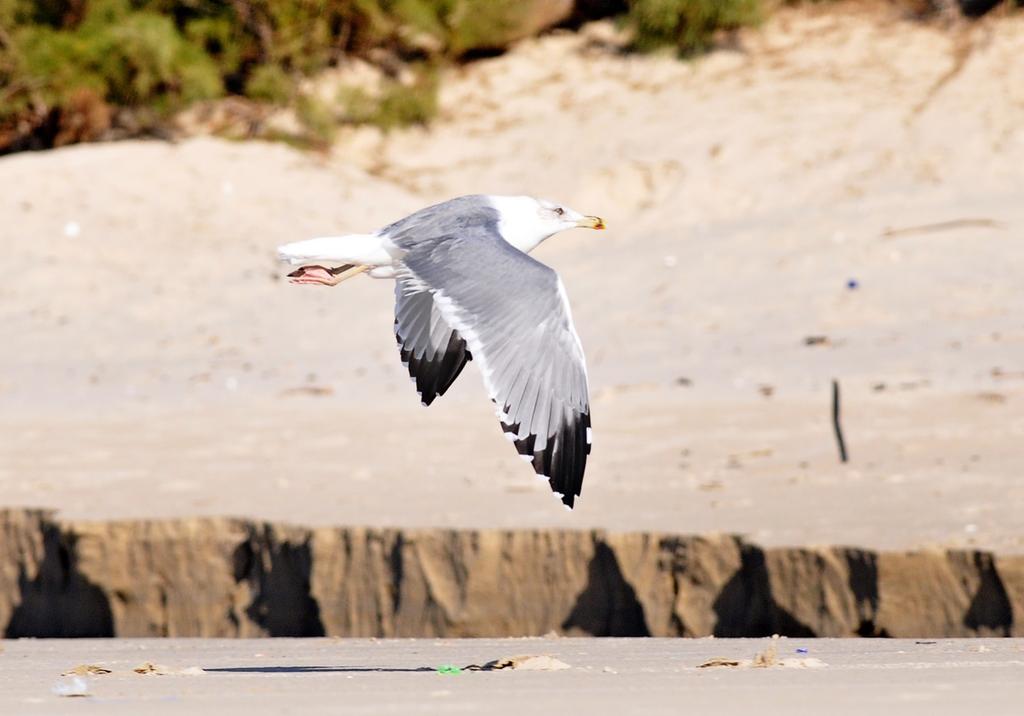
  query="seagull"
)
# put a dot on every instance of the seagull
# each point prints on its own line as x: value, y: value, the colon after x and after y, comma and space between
x: 465, y: 289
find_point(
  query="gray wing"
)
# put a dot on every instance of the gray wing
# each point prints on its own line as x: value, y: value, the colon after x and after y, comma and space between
x: 431, y: 350
x: 513, y: 313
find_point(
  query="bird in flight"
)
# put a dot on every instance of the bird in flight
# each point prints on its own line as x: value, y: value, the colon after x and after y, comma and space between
x: 465, y: 289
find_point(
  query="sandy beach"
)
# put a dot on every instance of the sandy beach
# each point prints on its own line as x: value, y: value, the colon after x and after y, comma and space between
x: 840, y: 199
x: 607, y: 676
x: 835, y: 195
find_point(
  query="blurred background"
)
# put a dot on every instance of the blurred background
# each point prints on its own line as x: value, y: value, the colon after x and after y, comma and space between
x: 796, y: 193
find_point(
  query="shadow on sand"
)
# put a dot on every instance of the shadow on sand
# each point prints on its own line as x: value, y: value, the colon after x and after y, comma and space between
x: 316, y: 669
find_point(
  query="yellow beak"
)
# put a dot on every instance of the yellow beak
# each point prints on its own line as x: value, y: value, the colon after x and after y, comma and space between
x: 591, y: 222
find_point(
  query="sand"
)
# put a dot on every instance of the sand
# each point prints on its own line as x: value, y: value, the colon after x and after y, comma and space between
x: 606, y: 676
x: 155, y: 364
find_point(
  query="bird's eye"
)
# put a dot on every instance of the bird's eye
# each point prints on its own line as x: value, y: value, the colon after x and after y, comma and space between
x: 560, y: 211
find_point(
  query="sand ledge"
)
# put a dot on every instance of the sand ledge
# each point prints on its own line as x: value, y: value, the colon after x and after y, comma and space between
x: 237, y: 578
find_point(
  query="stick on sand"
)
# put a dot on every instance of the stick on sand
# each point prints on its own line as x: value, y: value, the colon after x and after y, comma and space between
x: 835, y: 421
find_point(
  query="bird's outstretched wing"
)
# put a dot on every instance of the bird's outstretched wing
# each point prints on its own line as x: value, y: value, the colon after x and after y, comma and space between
x: 433, y: 352
x: 514, y: 316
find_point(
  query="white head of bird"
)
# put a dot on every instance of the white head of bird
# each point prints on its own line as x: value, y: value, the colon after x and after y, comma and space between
x: 525, y: 221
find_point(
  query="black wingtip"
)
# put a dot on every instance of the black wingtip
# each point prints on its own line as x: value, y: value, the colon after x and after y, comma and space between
x: 563, y: 460
x: 435, y: 373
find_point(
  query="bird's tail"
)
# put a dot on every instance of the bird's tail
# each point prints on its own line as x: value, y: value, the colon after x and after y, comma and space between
x: 355, y: 249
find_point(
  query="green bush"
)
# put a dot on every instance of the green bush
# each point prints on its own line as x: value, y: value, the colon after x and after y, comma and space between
x: 221, y: 38
x: 270, y: 83
x: 155, y: 56
x: 62, y: 57
x: 460, y: 26
x: 396, y: 105
x: 402, y: 105
x: 140, y: 61
x: 317, y: 119
x: 688, y: 25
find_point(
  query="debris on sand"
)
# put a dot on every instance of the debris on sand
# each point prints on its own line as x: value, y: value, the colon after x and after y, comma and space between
x: 151, y: 669
x: 766, y: 659
x: 806, y: 663
x: 944, y: 226
x: 148, y: 668
x: 793, y: 663
x: 86, y: 670
x: 71, y: 686
x: 992, y: 396
x: 523, y: 663
x: 312, y: 390
x: 719, y: 661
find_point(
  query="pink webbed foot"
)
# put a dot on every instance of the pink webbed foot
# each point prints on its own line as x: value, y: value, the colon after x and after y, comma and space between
x: 313, y: 275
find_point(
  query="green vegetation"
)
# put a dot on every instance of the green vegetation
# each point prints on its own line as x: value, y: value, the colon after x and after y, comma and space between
x: 396, y: 104
x: 269, y: 83
x: 70, y: 70
x: 140, y: 60
x: 153, y: 57
x: 688, y: 25
x: 318, y: 120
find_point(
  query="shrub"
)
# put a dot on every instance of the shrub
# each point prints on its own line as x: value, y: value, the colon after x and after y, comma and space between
x: 317, y: 119
x: 459, y: 27
x: 60, y: 58
x: 396, y: 105
x: 269, y: 83
x: 688, y: 25
x: 403, y: 105
x: 481, y: 24
x: 140, y: 60
x: 58, y: 82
